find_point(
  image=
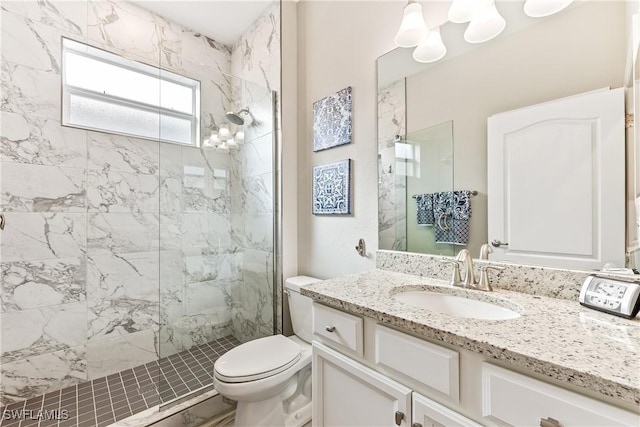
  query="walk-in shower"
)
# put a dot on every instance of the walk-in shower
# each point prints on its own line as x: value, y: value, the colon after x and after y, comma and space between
x: 131, y: 257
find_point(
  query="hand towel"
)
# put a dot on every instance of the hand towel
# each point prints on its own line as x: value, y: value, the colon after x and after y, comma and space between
x: 452, y: 210
x: 424, y: 204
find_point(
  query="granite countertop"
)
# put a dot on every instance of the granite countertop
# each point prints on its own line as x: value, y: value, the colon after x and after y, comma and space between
x: 553, y: 337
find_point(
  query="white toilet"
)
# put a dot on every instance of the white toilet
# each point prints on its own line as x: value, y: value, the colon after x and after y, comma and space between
x: 270, y: 377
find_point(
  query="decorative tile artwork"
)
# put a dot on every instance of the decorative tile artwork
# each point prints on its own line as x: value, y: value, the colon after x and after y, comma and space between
x: 332, y: 120
x: 331, y: 188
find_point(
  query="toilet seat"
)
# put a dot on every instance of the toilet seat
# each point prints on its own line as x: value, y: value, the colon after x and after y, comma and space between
x: 257, y: 359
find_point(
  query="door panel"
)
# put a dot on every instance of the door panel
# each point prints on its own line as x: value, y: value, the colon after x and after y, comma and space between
x: 556, y: 182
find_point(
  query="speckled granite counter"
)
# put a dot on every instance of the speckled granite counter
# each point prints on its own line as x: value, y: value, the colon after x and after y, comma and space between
x: 553, y: 337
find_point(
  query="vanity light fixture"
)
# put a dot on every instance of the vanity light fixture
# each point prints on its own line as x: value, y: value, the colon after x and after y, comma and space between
x: 412, y: 29
x: 541, y: 8
x: 431, y: 49
x: 239, y: 137
x: 486, y: 24
x: 462, y: 11
x: 222, y: 148
x: 224, y: 134
x: 232, y: 144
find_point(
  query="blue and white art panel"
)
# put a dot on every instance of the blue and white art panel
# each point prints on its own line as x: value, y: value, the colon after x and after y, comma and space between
x: 332, y: 188
x: 332, y: 120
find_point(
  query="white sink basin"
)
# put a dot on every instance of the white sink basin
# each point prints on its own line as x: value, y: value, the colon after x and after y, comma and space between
x: 455, y: 305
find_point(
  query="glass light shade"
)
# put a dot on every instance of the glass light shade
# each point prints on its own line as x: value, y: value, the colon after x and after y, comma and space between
x: 207, y: 145
x: 462, y: 11
x: 540, y: 8
x: 486, y: 25
x: 214, y: 140
x: 431, y: 49
x: 239, y: 137
x: 222, y: 148
x: 224, y: 134
x: 412, y: 28
x: 232, y: 144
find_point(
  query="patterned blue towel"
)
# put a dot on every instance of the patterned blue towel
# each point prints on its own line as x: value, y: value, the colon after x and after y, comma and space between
x: 452, y: 210
x: 424, y: 203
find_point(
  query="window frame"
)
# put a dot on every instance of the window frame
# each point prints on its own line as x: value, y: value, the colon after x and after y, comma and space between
x: 114, y: 59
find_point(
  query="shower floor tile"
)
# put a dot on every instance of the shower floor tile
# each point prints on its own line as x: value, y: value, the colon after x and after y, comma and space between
x: 106, y: 400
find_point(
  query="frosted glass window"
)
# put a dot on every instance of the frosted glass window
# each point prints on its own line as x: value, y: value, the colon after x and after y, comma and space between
x: 103, y: 91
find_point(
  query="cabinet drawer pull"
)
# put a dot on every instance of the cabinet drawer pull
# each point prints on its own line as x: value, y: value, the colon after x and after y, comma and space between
x: 329, y: 328
x: 549, y: 422
x: 416, y: 425
x: 399, y: 417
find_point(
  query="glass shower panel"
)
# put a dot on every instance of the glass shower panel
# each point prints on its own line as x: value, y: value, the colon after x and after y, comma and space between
x: 216, y: 245
x: 425, y: 159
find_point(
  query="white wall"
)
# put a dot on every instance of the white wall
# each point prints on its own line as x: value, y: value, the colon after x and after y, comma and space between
x: 338, y: 43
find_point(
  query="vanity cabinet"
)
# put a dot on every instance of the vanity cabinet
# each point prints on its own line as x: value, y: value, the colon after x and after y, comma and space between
x: 366, y: 374
x: 347, y: 393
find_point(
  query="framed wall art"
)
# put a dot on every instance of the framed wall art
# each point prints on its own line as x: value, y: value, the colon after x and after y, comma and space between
x: 332, y: 188
x: 332, y: 120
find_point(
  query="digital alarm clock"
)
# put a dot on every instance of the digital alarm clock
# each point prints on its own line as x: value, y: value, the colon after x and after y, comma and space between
x: 612, y: 296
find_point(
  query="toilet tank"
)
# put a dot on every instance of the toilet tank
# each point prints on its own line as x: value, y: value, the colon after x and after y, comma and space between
x: 300, y: 306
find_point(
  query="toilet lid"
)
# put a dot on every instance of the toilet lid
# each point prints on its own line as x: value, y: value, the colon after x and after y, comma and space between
x: 257, y: 359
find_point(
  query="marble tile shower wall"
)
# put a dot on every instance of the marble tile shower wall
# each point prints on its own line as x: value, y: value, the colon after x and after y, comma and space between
x: 255, y: 58
x: 392, y: 197
x: 94, y: 221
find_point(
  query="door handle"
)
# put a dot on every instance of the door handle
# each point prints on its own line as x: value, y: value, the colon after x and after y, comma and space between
x: 497, y: 243
x: 399, y: 417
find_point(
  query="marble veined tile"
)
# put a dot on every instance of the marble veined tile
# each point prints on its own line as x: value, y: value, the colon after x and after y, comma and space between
x: 261, y: 121
x: 253, y: 54
x: 122, y: 153
x: 32, y: 284
x: 209, y: 164
x: 111, y: 191
x: 206, y: 297
x: 258, y: 231
x: 205, y: 195
x: 37, y: 375
x: 121, y: 316
x: 30, y: 92
x: 37, y: 188
x: 111, y: 355
x: 124, y: 28
x: 68, y: 16
x: 43, y: 330
x: 253, y: 195
x: 181, y: 48
x: 194, y: 330
x: 204, y: 230
x: 130, y: 276
x: 256, y: 157
x: 41, y: 236
x: 30, y: 43
x: 122, y: 233
x: 171, y: 165
x: 41, y: 141
x: 201, y: 266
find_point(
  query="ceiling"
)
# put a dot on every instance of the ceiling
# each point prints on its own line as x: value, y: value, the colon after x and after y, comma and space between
x: 222, y: 20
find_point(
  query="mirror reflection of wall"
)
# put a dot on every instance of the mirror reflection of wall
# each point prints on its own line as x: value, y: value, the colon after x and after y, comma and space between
x: 580, y: 49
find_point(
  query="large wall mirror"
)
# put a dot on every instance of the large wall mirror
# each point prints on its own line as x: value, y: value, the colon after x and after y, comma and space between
x: 433, y: 131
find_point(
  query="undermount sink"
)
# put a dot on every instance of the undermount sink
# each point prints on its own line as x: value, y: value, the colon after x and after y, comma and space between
x: 455, y: 305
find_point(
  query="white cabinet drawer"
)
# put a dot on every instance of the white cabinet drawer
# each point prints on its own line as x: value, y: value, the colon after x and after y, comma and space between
x: 338, y: 329
x: 430, y: 364
x: 427, y: 413
x: 518, y: 400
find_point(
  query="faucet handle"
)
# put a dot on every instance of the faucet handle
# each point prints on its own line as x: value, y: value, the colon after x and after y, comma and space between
x: 456, y: 278
x: 483, y: 284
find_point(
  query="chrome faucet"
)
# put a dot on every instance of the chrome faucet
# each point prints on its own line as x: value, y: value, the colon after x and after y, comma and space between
x: 464, y: 256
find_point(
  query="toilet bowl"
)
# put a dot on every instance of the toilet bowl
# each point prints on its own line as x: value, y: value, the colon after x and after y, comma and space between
x: 270, y: 377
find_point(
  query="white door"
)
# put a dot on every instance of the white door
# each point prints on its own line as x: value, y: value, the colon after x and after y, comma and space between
x: 427, y: 413
x: 556, y: 182
x: 346, y: 393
